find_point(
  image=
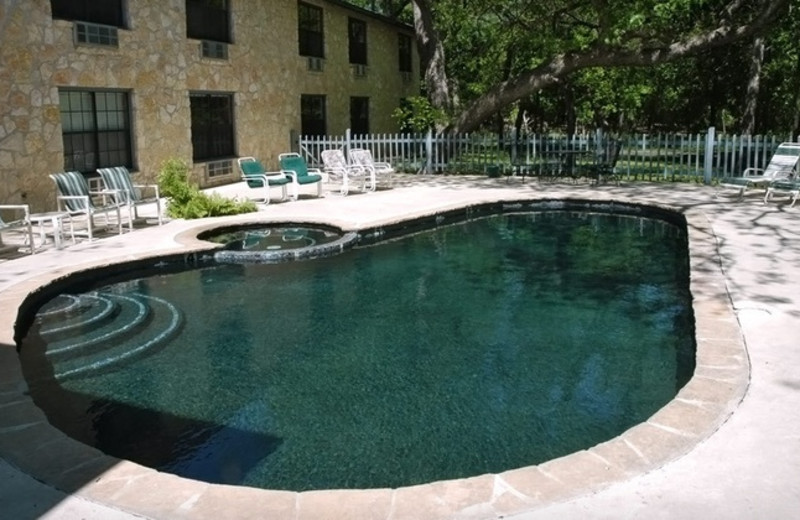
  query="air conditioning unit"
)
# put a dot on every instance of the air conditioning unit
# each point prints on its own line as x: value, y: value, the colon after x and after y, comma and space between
x: 215, y: 50
x: 359, y: 70
x: 316, y: 64
x: 95, y: 34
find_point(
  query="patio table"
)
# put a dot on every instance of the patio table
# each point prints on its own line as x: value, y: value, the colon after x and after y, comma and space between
x: 56, y: 221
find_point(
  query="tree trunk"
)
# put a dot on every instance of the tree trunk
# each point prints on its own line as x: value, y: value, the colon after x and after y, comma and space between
x: 753, y: 84
x: 431, y: 55
x: 569, y: 108
x: 796, y: 100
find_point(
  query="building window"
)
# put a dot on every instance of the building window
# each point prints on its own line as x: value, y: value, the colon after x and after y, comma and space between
x: 212, y: 126
x: 312, y: 115
x: 359, y: 115
x: 357, y: 34
x: 107, y: 12
x: 312, y: 42
x: 96, y: 34
x: 404, y: 47
x: 208, y: 20
x: 96, y: 129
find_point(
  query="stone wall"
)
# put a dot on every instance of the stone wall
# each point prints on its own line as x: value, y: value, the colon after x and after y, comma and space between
x: 159, y: 66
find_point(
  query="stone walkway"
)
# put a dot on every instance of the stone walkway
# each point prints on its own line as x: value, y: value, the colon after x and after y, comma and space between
x: 727, y: 447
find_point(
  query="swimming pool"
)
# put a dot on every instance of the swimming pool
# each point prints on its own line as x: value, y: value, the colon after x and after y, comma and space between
x: 439, y: 378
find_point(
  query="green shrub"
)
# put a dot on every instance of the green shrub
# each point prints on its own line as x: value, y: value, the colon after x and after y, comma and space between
x: 185, y: 200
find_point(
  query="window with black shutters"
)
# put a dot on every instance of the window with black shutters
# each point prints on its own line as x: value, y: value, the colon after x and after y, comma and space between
x: 312, y: 115
x: 357, y: 37
x: 208, y: 20
x: 96, y: 129
x: 106, y: 12
x: 212, y: 126
x: 310, y: 30
x: 359, y: 115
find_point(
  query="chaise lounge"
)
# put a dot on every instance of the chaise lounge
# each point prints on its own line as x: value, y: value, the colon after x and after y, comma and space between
x: 780, y: 167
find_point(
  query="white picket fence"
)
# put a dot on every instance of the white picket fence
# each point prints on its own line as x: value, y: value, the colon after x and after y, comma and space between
x: 698, y: 157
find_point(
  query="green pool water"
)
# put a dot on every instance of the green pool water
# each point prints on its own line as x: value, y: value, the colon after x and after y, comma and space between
x: 473, y: 348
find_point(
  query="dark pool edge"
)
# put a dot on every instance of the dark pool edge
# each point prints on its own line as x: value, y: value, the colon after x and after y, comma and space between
x: 701, y: 407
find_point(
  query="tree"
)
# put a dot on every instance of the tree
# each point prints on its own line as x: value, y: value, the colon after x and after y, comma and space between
x: 753, y: 85
x: 550, y: 43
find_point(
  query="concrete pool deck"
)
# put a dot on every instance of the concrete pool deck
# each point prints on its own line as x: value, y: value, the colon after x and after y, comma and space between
x: 727, y: 447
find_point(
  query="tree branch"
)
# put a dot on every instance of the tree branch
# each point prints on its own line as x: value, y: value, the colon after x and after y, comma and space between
x: 561, y: 65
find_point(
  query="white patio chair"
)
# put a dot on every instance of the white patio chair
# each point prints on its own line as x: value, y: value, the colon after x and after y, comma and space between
x: 118, y: 180
x: 335, y: 166
x: 363, y: 157
x: 17, y: 217
x: 75, y: 198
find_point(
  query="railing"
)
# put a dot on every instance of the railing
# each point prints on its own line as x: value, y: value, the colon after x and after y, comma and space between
x: 696, y: 157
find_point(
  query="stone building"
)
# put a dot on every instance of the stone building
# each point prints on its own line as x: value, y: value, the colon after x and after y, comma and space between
x: 86, y: 84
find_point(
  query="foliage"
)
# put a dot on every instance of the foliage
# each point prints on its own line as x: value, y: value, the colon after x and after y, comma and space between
x: 416, y: 114
x: 561, y: 63
x: 173, y: 181
x: 187, y: 201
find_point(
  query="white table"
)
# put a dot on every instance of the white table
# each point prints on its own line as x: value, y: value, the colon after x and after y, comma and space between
x: 56, y: 221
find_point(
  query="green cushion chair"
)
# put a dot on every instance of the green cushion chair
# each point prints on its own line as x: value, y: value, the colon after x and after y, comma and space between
x: 294, y: 166
x: 257, y: 177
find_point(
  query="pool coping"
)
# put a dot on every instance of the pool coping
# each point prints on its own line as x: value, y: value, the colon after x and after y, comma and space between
x: 719, y: 384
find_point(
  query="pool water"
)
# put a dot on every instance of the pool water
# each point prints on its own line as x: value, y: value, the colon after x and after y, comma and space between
x: 473, y: 348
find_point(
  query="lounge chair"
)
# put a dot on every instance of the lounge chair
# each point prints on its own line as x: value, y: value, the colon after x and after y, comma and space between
x: 256, y: 176
x: 75, y: 198
x: 118, y: 180
x: 294, y: 166
x: 379, y: 169
x: 790, y: 187
x: 17, y: 218
x: 336, y: 167
x: 780, y: 167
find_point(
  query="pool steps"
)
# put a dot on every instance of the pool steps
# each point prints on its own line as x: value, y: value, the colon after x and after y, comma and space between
x: 97, y: 332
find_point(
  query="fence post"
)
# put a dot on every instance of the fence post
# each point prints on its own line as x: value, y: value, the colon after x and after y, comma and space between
x: 709, y: 157
x: 513, y: 147
x: 428, y: 151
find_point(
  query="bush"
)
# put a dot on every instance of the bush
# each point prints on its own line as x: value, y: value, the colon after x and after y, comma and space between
x: 187, y: 201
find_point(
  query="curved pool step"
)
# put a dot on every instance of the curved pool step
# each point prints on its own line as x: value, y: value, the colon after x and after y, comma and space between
x: 74, y: 313
x: 140, y: 325
x: 58, y: 306
x: 98, y: 331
